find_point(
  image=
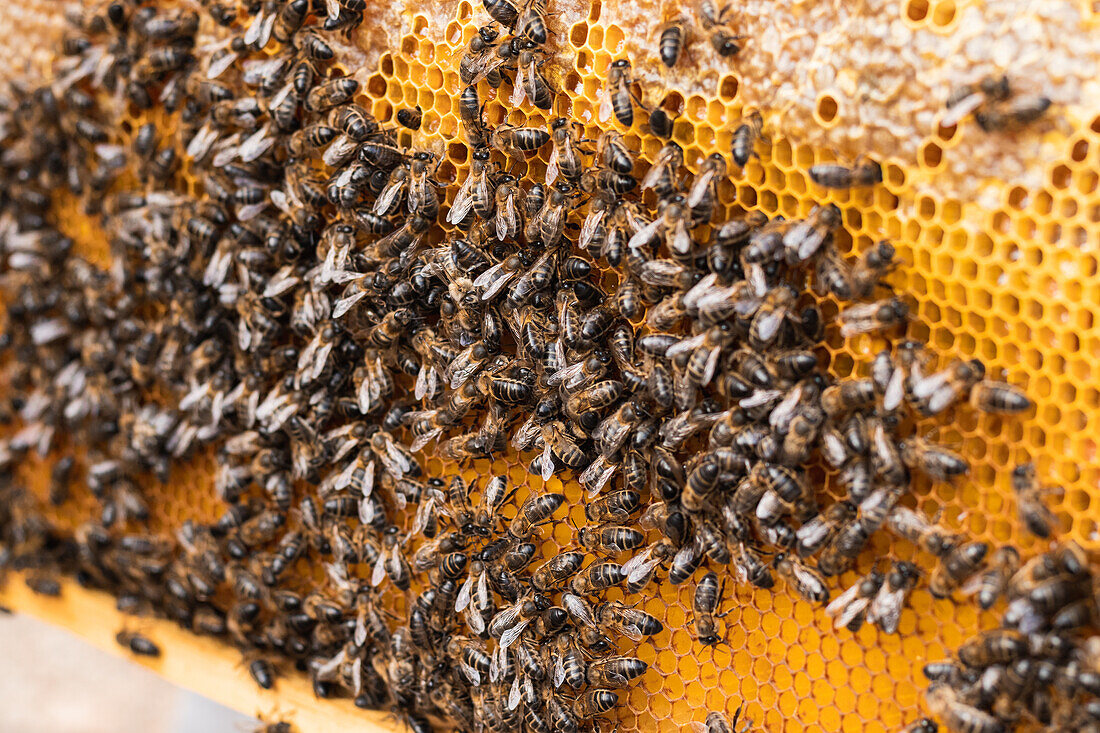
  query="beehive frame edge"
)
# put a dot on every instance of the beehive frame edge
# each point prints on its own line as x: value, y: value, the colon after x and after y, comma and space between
x: 201, y: 664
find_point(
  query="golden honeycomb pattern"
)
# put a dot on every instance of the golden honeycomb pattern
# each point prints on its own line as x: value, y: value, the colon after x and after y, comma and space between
x: 1001, y: 263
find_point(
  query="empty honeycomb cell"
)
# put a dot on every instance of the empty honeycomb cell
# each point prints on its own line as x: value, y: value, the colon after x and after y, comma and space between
x: 943, y: 14
x: 825, y: 111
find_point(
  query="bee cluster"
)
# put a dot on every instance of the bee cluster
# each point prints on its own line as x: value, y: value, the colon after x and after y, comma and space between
x: 313, y: 311
x: 1041, y: 663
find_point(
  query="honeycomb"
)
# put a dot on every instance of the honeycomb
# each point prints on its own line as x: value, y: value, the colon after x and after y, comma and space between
x: 997, y: 233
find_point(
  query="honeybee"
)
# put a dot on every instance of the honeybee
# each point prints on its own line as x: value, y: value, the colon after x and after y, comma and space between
x: 934, y: 461
x: 745, y: 137
x: 611, y: 539
x: 816, y: 533
x: 804, y: 580
x: 708, y: 596
x: 870, y: 269
x: 924, y: 725
x: 956, y: 715
x: 138, y: 643
x: 530, y: 83
x: 596, y: 577
x: 885, y: 610
x: 995, y: 646
x: 870, y: 317
x: 517, y: 141
x: 930, y: 537
x: 831, y: 175
x: 955, y: 567
x: 850, y: 608
x: 999, y: 398
x: 619, y: 618
x: 410, y: 118
x: 617, y: 95
x: 534, y: 512
x: 614, y: 671
x: 480, y: 60
x: 557, y: 570
x: 331, y: 93
x: 477, y: 193
x: 994, y: 105
x: 502, y: 11
x: 565, y: 156
x: 1034, y: 514
x: 722, y: 39
x: 663, y: 177
x: 704, y: 189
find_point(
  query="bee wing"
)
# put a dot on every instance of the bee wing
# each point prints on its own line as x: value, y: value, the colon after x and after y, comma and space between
x: 519, y: 89
x: 366, y: 511
x: 255, y: 28
x: 681, y: 242
x: 565, y: 373
x: 526, y: 434
x: 780, y: 417
x: 219, y: 63
x: 514, y: 694
x: 378, y: 573
x: 961, y: 109
x: 711, y: 365
x: 811, y: 534
x: 217, y: 270
x: 470, y: 673
x: 484, y: 600
x: 653, y: 175
x: 320, y: 359
x: 685, y: 345
x: 696, y: 727
x: 596, y: 475
x: 700, y: 188
x: 465, y: 593
x: 926, y: 387
x: 505, y: 217
x: 475, y: 621
x: 886, y: 608
x: 332, y: 8
x: 338, y: 152
x: 767, y: 323
x: 942, y: 398
x: 973, y: 584
x: 257, y: 144
x: 552, y: 169
x: 513, y: 634
x: 201, y: 143
x: 420, y: 441
x: 559, y: 671
x: 641, y: 565
x: 488, y: 276
x: 856, y: 610
x: 578, y: 609
x: 895, y: 391
x: 342, y: 306
x: 841, y: 602
x: 464, y: 200
x: 760, y: 397
x: 546, y: 463
x: 605, y: 103
x: 266, y: 30
x: 591, y: 224
x: 421, y: 387
x: 281, y: 282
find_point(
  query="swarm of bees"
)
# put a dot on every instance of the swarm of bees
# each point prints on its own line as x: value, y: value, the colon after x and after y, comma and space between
x: 314, y: 313
x: 1041, y: 664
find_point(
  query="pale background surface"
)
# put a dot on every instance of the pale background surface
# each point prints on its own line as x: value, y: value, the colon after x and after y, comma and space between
x: 52, y: 682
